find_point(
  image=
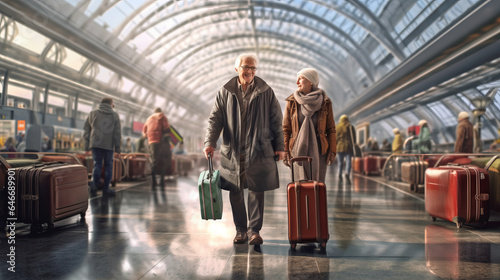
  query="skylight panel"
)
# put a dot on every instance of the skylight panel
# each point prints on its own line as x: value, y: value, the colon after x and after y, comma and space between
x: 443, y: 113
x: 74, y: 60
x: 27, y: 37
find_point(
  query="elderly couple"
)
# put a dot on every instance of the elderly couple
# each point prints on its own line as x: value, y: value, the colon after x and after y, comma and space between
x: 249, y: 116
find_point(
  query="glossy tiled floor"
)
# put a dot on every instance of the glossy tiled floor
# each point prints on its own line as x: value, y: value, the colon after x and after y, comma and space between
x: 377, y: 231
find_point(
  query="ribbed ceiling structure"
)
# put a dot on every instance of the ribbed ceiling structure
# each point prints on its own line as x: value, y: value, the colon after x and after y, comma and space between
x: 177, y: 54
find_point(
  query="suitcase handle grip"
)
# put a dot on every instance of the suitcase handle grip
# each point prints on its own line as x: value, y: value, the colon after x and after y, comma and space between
x: 301, y: 158
x: 210, y: 166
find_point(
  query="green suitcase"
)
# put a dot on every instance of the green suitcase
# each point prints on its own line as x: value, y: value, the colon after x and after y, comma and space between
x: 209, y: 185
x: 492, y: 164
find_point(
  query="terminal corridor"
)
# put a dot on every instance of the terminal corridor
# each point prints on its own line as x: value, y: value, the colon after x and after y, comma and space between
x: 377, y: 231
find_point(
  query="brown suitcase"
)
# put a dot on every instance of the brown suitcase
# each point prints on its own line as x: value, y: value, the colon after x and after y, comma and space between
x: 307, y: 210
x: 135, y: 166
x: 357, y: 164
x: 413, y: 173
x: 50, y: 192
x: 67, y: 158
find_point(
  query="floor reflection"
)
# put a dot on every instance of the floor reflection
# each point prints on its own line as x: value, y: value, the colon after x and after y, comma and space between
x: 143, y: 233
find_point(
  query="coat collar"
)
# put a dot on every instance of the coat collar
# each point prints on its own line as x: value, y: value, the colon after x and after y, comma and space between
x: 260, y: 85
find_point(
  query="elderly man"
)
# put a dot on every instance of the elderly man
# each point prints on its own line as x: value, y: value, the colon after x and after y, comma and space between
x: 249, y: 116
x: 465, y: 134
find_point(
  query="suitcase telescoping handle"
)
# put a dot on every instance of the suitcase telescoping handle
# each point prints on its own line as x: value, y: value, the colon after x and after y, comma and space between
x: 301, y: 158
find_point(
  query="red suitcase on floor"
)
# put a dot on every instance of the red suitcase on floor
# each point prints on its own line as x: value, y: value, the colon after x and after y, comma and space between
x: 357, y: 164
x: 371, y: 165
x: 49, y: 192
x: 307, y: 210
x: 457, y: 193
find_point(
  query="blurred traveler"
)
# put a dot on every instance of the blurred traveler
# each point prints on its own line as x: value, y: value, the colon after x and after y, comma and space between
x: 157, y: 130
x: 465, y: 134
x: 386, y: 146
x: 346, y: 141
x: 9, y: 146
x: 47, y: 145
x: 128, y: 146
x: 397, y: 143
x: 21, y: 144
x: 308, y: 126
x: 142, y: 145
x: 249, y: 116
x: 102, y: 134
x: 372, y: 145
x: 422, y: 143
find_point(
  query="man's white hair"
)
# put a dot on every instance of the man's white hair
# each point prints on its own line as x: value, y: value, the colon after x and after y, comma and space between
x: 244, y: 56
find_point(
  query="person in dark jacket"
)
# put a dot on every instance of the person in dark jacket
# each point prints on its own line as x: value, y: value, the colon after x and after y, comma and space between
x: 465, y: 134
x: 249, y: 116
x: 102, y: 134
x: 308, y: 126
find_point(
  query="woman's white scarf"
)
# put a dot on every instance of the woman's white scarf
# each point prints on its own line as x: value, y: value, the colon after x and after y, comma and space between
x: 306, y: 143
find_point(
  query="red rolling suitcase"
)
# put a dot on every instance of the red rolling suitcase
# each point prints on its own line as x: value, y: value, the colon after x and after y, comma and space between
x: 307, y: 210
x: 50, y: 192
x: 459, y: 194
x: 371, y: 165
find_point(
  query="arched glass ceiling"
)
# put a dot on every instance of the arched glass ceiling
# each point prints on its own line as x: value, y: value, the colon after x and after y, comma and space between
x: 190, y: 46
x: 352, y: 43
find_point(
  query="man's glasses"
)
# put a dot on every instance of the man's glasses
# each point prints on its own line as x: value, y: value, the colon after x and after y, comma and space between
x: 246, y: 68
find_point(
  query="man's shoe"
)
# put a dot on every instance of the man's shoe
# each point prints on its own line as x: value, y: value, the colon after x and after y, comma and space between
x: 256, y: 239
x: 240, y: 238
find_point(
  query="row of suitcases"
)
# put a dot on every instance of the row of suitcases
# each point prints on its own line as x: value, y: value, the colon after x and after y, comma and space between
x: 411, y: 168
x: 44, y: 192
x: 368, y: 165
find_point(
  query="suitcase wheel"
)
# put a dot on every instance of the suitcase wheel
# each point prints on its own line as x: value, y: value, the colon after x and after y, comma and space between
x: 82, y: 215
x: 293, y: 245
x: 459, y: 225
x: 433, y: 219
x: 323, y: 245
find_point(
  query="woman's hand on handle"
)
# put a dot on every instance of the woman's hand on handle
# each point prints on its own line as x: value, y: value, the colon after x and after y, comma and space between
x: 287, y: 158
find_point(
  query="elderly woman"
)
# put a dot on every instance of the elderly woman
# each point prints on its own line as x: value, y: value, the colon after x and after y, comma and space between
x: 308, y: 126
